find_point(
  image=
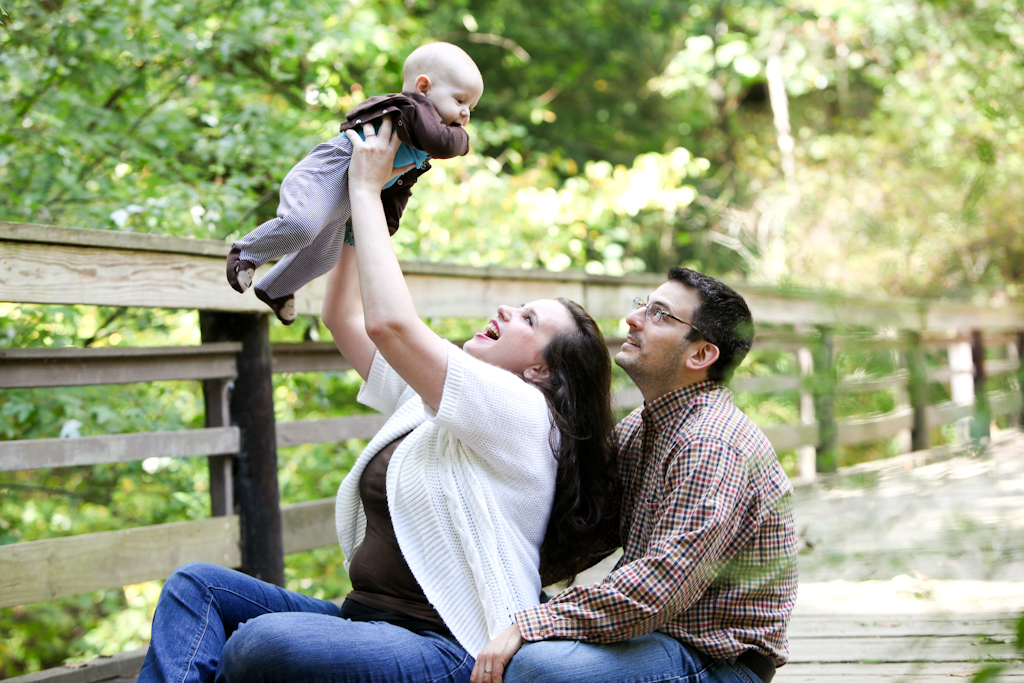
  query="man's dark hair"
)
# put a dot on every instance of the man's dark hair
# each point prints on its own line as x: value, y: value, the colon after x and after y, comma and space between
x: 722, y: 317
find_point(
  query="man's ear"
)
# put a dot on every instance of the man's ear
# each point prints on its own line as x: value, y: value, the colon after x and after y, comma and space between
x: 704, y: 357
x: 537, y: 373
x: 422, y: 84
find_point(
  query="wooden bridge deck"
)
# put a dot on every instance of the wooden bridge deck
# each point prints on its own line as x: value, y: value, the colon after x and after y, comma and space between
x: 912, y: 570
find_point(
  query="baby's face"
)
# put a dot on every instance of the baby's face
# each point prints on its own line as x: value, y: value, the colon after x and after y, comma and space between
x: 455, y: 94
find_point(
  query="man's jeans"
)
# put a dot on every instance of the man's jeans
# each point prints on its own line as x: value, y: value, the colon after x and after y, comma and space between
x: 653, y: 658
x: 216, y: 623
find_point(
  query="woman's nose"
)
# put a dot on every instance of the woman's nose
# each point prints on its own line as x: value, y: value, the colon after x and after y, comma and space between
x: 505, y: 312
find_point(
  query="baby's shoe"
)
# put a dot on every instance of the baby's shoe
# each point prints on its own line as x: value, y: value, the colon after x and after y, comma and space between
x: 240, y: 272
x: 283, y: 306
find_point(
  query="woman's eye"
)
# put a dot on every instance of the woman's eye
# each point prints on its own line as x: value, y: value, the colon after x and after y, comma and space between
x: 529, y: 320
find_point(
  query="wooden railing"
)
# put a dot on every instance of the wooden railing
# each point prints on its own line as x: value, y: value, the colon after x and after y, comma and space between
x: 964, y: 347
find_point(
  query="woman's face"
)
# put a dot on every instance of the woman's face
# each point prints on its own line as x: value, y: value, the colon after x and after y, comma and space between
x: 515, y: 338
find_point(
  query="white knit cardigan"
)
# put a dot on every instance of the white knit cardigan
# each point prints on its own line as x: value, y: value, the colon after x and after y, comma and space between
x: 470, y: 491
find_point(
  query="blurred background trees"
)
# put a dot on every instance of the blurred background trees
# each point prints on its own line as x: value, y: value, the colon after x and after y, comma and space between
x: 867, y: 148
x: 829, y: 144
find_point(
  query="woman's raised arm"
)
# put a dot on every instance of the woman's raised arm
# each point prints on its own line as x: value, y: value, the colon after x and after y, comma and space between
x: 411, y: 348
x: 342, y: 313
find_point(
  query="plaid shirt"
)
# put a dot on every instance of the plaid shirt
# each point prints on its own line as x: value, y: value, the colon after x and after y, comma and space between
x: 707, y: 532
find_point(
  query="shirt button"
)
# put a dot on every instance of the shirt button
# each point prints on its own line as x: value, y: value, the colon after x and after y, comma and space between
x: 400, y: 181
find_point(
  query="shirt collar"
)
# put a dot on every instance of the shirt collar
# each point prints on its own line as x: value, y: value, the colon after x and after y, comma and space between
x: 660, y: 411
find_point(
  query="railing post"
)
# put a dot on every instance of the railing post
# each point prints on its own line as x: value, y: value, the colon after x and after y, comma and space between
x: 255, y: 469
x: 917, y: 388
x: 981, y: 425
x: 961, y: 384
x: 217, y: 397
x: 824, y: 402
x: 806, y: 456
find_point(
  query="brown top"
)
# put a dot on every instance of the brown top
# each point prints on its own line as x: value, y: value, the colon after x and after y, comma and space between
x: 380, y: 577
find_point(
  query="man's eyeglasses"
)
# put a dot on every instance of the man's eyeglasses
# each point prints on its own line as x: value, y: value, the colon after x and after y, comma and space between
x: 656, y: 313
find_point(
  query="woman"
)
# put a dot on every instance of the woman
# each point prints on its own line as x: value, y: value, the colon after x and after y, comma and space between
x: 442, y: 517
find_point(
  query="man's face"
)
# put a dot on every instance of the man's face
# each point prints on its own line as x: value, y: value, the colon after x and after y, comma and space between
x: 654, y: 354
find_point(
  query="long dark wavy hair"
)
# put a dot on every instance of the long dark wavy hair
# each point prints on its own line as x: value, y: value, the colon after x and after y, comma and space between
x: 577, y: 389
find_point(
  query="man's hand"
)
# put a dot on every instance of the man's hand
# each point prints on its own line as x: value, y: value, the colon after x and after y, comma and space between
x: 494, y: 658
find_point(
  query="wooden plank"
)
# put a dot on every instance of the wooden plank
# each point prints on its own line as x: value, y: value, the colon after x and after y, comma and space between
x: 328, y: 429
x: 773, y: 339
x: 125, y: 664
x: 1006, y: 366
x: 308, y: 525
x: 900, y: 649
x: 1005, y: 403
x: 863, y: 342
x: 910, y: 672
x: 788, y: 437
x: 71, y: 274
x: 56, y: 568
x: 903, y: 625
x: 110, y: 239
x: 874, y: 428
x: 855, y: 384
x: 46, y: 264
x: 934, y: 341
x: 307, y: 357
x: 63, y: 367
x: 96, y: 450
x: 946, y: 413
x: 965, y: 315
x: 763, y: 384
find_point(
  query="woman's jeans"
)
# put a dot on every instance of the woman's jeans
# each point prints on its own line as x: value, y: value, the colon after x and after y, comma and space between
x: 653, y: 658
x: 214, y: 623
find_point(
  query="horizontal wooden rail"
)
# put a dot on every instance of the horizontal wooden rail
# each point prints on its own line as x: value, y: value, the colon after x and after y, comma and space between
x: 56, y: 568
x: 54, y: 265
x: 866, y: 383
x: 309, y: 525
x: 30, y: 454
x: 1005, y: 403
x: 789, y: 437
x: 997, y: 367
x: 875, y: 428
x: 328, y: 429
x: 66, y: 367
x: 307, y: 357
x: 121, y: 665
x: 763, y: 384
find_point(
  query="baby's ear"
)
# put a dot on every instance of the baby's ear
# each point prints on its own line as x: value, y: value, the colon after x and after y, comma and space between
x: 422, y: 84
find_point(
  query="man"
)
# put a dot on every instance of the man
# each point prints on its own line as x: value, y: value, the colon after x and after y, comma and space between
x: 707, y: 580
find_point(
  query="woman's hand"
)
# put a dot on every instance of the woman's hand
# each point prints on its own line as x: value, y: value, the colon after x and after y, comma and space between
x: 492, y: 661
x: 373, y: 160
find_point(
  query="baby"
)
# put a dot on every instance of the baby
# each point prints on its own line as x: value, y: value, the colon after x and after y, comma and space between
x: 440, y: 86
